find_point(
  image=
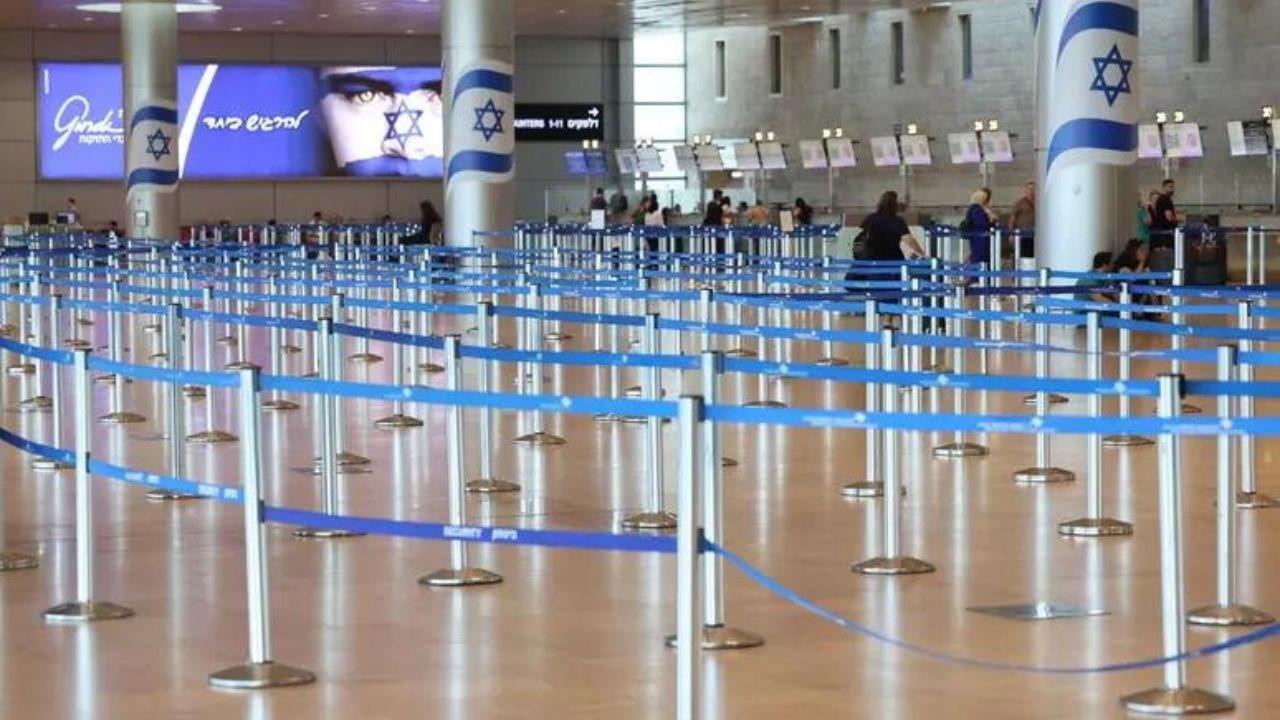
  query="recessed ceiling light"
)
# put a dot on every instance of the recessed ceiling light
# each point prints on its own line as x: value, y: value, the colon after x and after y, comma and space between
x: 277, y: 22
x: 183, y: 7
x: 237, y: 29
x: 323, y: 16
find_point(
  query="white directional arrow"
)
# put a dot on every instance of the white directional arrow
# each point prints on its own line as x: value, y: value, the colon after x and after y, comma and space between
x: 594, y: 112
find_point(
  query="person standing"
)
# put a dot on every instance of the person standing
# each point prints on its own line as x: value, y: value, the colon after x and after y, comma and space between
x: 1164, y: 216
x: 803, y: 212
x: 598, y: 201
x: 1146, y: 216
x: 758, y: 214
x: 1022, y: 220
x: 978, y: 221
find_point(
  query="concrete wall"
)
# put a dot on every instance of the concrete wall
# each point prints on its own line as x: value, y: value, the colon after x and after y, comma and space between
x: 569, y: 70
x: 1237, y: 81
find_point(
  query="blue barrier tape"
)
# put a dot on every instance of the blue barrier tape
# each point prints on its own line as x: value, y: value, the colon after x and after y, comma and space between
x: 1217, y: 333
x: 166, y: 483
x: 568, y: 539
x: 60, y: 357
x: 164, y: 375
x: 591, y: 359
x: 132, y: 308
x: 38, y: 449
x: 429, y: 342
x: 843, y: 622
x: 1110, y: 307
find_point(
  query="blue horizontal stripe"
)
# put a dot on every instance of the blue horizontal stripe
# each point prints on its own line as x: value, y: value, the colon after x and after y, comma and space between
x: 1099, y: 16
x: 151, y: 176
x: 155, y: 113
x: 484, y: 80
x: 1092, y: 134
x: 480, y: 161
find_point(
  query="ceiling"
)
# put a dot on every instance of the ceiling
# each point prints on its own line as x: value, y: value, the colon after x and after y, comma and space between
x: 601, y: 18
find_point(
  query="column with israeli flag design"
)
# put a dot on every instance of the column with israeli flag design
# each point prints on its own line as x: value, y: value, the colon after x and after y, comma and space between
x: 480, y: 143
x: 153, y: 149
x: 1087, y: 128
x: 149, y: 41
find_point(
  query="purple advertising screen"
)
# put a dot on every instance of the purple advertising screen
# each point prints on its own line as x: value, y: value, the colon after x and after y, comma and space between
x: 251, y: 121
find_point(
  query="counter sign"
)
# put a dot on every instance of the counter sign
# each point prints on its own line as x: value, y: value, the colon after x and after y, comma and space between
x: 559, y: 122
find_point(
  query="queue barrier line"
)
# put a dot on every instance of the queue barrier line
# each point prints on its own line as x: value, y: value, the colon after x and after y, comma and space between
x: 429, y: 342
x: 166, y: 483
x: 1198, y: 331
x: 266, y: 321
x: 32, y: 447
x: 164, y: 375
x: 835, y: 618
x: 59, y: 357
x: 563, y: 539
x: 1116, y: 307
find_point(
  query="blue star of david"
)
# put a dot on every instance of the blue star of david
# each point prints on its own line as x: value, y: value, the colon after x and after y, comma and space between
x: 486, y: 126
x: 402, y: 124
x: 1101, y: 64
x: 158, y: 144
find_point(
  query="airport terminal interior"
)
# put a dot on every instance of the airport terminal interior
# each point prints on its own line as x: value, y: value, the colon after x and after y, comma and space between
x: 639, y: 359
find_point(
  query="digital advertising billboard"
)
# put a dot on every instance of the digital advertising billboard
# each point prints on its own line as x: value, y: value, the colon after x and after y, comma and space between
x: 251, y: 121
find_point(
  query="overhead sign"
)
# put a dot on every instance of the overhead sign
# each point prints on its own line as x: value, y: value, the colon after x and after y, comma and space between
x: 559, y: 122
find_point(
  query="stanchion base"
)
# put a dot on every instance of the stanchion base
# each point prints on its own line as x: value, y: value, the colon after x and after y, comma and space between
x: 1255, y: 501
x: 431, y: 368
x: 1043, y: 476
x: 1054, y: 399
x: 832, y: 362
x: 16, y: 561
x: 228, y: 340
x: 1183, y: 701
x: 166, y: 496
x: 84, y: 321
x: 8, y: 331
x: 399, y: 421
x: 195, y: 392
x: 365, y: 358
x: 152, y: 328
x: 1189, y: 409
x: 110, y: 380
x: 258, y: 676
x: 158, y: 356
x: 122, y: 418
x: 49, y: 465
x: 1095, y: 527
x: 719, y: 637
x: 765, y: 404
x: 650, y: 521
x: 21, y: 369
x: 39, y: 403
x: 541, y: 439
x: 465, y: 577
x: 901, y: 565
x: 610, y: 417
x: 1229, y: 616
x: 290, y: 349
x: 83, y: 612
x: 242, y: 365
x: 740, y: 353
x: 557, y: 336
x: 211, y: 437
x: 280, y: 404
x: 77, y: 343
x: 1126, y: 441
x: 960, y: 450
x: 344, y: 459
x: 308, y: 533
x: 491, y: 486
x: 727, y: 462
x: 865, y: 489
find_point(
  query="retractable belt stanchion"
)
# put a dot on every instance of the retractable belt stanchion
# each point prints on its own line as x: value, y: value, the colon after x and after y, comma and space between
x: 531, y: 341
x: 958, y: 448
x: 173, y: 329
x: 615, y: 372
x: 242, y: 330
x: 329, y: 420
x: 487, y: 482
x: 459, y: 573
x: 118, y: 415
x: 84, y: 608
x: 1174, y: 697
x: 1177, y: 318
x: 690, y: 559
x: 275, y: 348
x: 210, y: 435
x: 1226, y: 610
x: 1044, y: 470
x: 38, y: 401
x: 1045, y: 279
x: 716, y: 635
x: 1248, y: 497
x: 1125, y: 362
x: 20, y: 365
x: 892, y: 561
x: 398, y: 420
x: 871, y: 486
x: 1095, y: 523
x: 655, y: 517
x: 260, y: 671
x: 331, y: 369
x: 55, y: 391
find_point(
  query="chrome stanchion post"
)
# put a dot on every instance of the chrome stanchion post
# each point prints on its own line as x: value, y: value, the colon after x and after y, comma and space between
x: 871, y: 486
x: 275, y: 348
x: 118, y: 415
x: 173, y: 398
x: 38, y: 402
x: 1249, y: 253
x: 1125, y: 362
x: 260, y: 671
x: 210, y: 435
x: 1095, y: 523
x: 892, y: 561
x: 84, y: 608
x: 347, y: 462
x: 1174, y: 698
x: 1044, y: 471
x: 689, y: 562
x: 958, y: 448
x: 55, y: 390
x: 1248, y: 497
x: 716, y: 635
x: 1226, y: 611
x: 655, y: 517
x: 532, y: 342
x: 459, y: 573
x: 1044, y: 280
x: 398, y: 420
x: 487, y: 482
x: 1176, y: 319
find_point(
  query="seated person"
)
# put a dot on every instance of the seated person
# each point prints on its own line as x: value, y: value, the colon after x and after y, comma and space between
x: 1090, y: 287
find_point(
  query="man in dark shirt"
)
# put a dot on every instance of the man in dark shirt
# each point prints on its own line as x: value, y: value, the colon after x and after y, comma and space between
x: 598, y: 201
x: 1165, y: 217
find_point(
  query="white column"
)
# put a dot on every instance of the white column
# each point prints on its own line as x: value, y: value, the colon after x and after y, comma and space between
x: 149, y: 42
x: 1086, y: 129
x: 479, y: 52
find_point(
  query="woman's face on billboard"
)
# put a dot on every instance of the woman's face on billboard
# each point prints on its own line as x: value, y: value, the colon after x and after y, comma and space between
x: 384, y: 121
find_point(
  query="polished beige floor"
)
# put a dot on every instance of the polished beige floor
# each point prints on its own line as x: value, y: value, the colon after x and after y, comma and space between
x: 574, y: 634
